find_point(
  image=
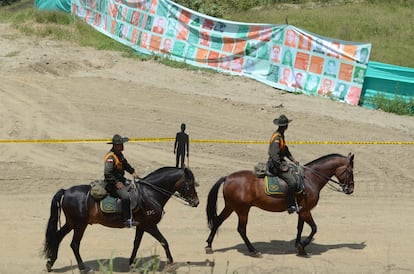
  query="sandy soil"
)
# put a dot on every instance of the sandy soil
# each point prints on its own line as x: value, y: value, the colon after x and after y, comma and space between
x: 55, y: 90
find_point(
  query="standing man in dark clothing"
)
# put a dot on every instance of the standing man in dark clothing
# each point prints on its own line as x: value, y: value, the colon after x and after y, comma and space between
x: 277, y: 163
x: 114, y: 171
x: 181, y: 145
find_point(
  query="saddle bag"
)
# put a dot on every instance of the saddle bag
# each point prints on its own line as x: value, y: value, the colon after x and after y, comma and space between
x: 260, y: 170
x: 98, y: 191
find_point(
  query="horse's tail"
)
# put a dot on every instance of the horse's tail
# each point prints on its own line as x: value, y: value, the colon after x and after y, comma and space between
x: 51, y: 243
x: 212, y: 203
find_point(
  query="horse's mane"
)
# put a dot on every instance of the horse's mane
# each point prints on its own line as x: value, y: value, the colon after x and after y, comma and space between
x: 324, y: 158
x: 160, y: 170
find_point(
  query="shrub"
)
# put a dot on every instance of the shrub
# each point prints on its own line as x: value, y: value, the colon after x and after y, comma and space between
x: 397, y: 104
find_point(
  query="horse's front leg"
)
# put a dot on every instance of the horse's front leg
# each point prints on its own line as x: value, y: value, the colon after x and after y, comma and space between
x: 299, y: 230
x: 137, y: 241
x: 298, y: 244
x: 304, y: 216
x: 154, y: 231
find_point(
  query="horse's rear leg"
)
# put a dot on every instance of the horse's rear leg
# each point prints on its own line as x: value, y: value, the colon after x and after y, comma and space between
x: 225, y: 213
x: 154, y: 231
x: 304, y: 216
x: 138, y: 237
x: 60, y: 234
x: 241, y: 228
x: 75, y: 244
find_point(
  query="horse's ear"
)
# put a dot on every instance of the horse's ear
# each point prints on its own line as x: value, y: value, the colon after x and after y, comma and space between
x: 351, y: 157
x: 186, y: 171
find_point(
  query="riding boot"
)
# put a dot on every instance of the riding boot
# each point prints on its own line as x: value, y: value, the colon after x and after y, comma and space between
x: 126, y: 213
x: 290, y: 200
x: 139, y: 191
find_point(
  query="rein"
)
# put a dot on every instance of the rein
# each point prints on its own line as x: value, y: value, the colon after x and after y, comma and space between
x: 166, y: 193
x: 329, y: 179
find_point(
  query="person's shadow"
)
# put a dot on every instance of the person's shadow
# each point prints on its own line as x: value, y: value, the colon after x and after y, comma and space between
x: 277, y: 247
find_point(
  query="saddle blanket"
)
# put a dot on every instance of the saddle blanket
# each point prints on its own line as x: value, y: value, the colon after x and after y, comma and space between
x: 113, y: 205
x: 109, y: 205
x: 272, y: 185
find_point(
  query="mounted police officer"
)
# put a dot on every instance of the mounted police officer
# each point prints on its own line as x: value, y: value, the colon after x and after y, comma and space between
x: 114, y: 171
x: 277, y: 164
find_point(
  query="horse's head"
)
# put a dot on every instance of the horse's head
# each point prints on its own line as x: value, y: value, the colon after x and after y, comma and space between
x: 186, y: 188
x: 345, y: 175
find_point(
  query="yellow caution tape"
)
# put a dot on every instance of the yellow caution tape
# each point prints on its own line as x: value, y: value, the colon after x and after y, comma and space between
x: 351, y: 143
x: 158, y: 140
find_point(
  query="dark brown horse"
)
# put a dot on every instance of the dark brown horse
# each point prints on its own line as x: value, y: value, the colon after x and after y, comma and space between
x: 242, y: 190
x: 81, y: 209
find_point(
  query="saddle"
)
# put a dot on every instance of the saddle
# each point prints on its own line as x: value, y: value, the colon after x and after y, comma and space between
x: 109, y: 204
x: 276, y: 185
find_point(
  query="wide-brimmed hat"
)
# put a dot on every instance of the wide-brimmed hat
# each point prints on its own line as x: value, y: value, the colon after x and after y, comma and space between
x: 118, y: 140
x: 282, y: 120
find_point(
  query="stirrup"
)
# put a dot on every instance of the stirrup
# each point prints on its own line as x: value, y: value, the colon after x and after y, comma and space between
x: 130, y: 223
x: 293, y: 209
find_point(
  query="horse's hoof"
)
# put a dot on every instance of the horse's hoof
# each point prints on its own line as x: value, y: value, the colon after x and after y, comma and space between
x: 301, y: 250
x: 255, y: 254
x: 209, y: 250
x: 49, y: 266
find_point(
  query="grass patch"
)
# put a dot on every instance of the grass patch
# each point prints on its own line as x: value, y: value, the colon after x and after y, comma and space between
x: 396, y: 104
x: 140, y: 266
x: 65, y: 27
x: 60, y: 26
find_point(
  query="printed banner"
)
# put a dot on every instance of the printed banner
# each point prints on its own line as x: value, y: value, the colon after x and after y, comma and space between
x: 281, y: 56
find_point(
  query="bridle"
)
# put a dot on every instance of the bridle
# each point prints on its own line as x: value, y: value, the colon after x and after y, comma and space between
x: 344, y: 187
x: 178, y: 196
x: 348, y: 174
x: 185, y: 186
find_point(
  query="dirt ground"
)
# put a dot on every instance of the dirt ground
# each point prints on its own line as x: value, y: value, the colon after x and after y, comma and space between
x: 55, y: 90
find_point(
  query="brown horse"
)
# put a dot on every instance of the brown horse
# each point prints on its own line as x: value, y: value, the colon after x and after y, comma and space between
x: 242, y: 190
x: 81, y: 209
